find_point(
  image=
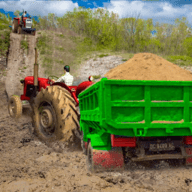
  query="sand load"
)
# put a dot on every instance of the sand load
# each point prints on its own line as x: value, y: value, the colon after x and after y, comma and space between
x: 148, y: 66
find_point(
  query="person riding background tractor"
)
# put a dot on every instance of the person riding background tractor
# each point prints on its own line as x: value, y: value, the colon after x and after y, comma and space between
x: 25, y: 14
x: 67, y: 78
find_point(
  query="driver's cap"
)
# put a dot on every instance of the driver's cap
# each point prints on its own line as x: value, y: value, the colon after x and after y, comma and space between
x: 67, y: 68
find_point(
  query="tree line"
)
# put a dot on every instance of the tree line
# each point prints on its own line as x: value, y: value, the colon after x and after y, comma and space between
x: 107, y: 31
x: 131, y: 34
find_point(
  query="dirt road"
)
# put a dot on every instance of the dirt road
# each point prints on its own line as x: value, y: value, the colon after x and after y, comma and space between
x: 20, y: 63
x: 26, y: 164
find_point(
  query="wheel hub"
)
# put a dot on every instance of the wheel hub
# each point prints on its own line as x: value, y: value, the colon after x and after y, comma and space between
x: 46, y: 118
x: 12, y: 108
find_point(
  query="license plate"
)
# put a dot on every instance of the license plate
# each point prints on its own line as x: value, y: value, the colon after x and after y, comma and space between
x: 161, y: 147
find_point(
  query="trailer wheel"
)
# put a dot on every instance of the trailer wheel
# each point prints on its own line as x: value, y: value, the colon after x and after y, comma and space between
x: 54, y: 115
x: 15, y: 106
x: 101, y: 160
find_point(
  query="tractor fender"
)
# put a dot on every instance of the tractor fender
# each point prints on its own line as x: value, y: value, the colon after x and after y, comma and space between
x: 82, y: 86
x: 18, y: 19
x: 62, y: 85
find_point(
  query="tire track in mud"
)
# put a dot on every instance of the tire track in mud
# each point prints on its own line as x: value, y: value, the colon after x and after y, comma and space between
x: 14, y: 62
x: 20, y: 62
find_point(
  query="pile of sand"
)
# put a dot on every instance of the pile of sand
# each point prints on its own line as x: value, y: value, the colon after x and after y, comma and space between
x: 148, y: 66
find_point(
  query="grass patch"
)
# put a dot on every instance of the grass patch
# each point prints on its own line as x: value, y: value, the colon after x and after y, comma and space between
x: 61, y: 62
x: 4, y: 41
x: 24, y: 45
x: 47, y: 62
x: 180, y: 57
x: 42, y: 44
x: 126, y: 56
x: 179, y: 60
x: 60, y: 35
x: 60, y: 48
x: 96, y: 76
x: 103, y: 55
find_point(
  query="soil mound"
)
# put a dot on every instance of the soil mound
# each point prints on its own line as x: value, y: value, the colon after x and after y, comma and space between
x: 148, y: 66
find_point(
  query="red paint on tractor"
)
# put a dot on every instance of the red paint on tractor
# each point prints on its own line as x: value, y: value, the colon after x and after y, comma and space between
x: 42, y: 82
x: 73, y: 93
x: 82, y: 86
x: 123, y: 142
x: 108, y: 159
x: 189, y: 159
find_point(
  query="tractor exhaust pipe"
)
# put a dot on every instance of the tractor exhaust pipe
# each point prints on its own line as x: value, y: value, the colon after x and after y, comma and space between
x: 35, y: 70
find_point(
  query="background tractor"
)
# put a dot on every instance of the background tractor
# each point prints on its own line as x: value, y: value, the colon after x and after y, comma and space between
x: 22, y: 24
x: 54, y: 106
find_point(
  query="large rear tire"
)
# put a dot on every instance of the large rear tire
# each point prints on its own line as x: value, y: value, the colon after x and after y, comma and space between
x: 33, y: 33
x: 15, y: 106
x: 54, y: 115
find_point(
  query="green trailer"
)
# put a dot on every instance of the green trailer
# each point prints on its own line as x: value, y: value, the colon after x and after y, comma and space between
x: 137, y: 119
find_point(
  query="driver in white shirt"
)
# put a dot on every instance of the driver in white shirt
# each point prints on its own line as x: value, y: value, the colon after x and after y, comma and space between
x: 67, y: 78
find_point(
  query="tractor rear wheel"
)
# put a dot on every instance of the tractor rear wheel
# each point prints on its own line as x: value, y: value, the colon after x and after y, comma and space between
x: 14, y: 26
x: 15, y: 106
x: 54, y: 115
x: 33, y: 33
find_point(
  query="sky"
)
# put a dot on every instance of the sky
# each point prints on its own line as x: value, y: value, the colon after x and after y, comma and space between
x: 164, y: 11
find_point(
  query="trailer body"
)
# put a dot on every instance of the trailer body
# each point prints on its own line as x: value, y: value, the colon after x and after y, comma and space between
x: 153, y: 115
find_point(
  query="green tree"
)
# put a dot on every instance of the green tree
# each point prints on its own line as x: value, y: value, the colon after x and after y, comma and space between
x: 187, y: 44
x: 16, y: 13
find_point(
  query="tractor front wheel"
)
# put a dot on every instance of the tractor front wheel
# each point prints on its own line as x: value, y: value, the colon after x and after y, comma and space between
x: 15, y: 106
x: 54, y: 115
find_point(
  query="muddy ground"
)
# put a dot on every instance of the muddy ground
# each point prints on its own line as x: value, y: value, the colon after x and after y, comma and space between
x: 26, y: 164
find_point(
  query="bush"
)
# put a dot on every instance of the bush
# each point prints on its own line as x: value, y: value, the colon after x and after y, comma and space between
x: 4, y: 42
x: 103, y: 55
x: 96, y: 76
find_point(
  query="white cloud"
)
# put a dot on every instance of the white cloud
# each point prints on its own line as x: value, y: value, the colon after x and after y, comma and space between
x: 158, y: 11
x: 39, y: 7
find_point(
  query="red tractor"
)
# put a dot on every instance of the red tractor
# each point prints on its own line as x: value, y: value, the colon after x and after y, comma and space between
x: 23, y: 24
x: 54, y: 105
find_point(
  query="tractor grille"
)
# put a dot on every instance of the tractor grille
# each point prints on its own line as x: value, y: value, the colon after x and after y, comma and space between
x: 28, y: 23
